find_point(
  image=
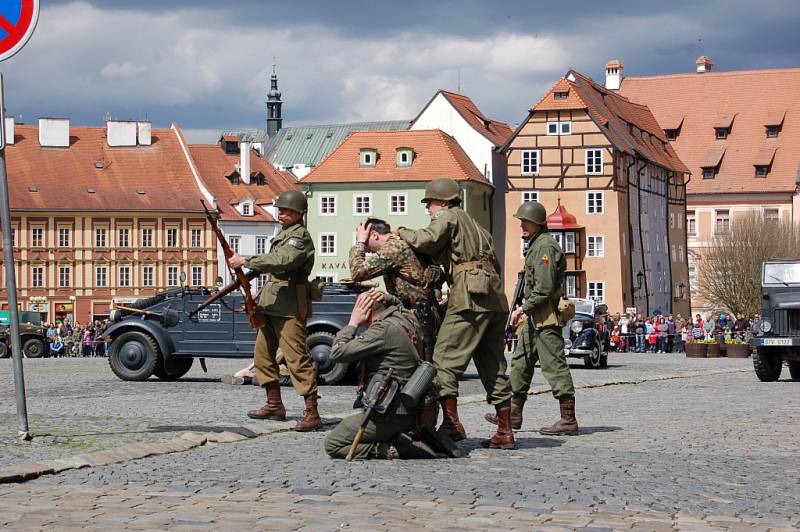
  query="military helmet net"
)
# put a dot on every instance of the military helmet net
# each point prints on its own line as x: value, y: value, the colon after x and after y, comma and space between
x: 533, y: 211
x: 293, y: 200
x: 444, y: 189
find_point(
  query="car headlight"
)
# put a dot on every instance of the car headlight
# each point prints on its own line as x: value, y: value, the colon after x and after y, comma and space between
x: 766, y: 326
x: 576, y: 326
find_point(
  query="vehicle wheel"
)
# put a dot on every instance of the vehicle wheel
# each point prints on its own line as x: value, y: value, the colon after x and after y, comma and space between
x: 593, y: 361
x: 794, y: 370
x: 768, y: 364
x: 5, y: 352
x: 133, y: 356
x: 319, y: 346
x: 173, y: 369
x: 33, y: 348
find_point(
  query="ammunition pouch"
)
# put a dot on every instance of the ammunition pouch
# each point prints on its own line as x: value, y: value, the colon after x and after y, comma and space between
x: 478, y: 275
x: 379, y: 404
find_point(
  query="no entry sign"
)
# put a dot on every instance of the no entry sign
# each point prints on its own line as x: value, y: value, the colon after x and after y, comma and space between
x: 17, y: 21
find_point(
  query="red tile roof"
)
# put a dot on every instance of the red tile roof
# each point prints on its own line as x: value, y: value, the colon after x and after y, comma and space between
x: 436, y: 154
x: 758, y: 98
x: 614, y: 114
x: 214, y: 165
x: 140, y: 178
x: 496, y: 131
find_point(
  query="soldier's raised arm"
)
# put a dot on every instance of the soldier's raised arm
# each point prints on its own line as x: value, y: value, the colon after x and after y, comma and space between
x: 428, y: 240
x: 347, y: 347
x: 545, y: 275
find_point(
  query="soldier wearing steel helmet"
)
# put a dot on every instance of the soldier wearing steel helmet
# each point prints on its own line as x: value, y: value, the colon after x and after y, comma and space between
x: 286, y: 304
x: 541, y: 338
x: 474, y: 324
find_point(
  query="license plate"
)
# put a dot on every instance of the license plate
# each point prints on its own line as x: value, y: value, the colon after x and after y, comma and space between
x: 777, y: 341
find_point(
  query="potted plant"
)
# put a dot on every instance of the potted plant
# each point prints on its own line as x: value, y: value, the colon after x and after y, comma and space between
x: 738, y: 348
x: 696, y: 349
x: 713, y: 349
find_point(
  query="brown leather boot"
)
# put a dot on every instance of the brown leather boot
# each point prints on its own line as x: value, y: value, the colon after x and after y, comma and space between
x: 451, y: 426
x: 567, y: 425
x: 517, y: 404
x: 311, y: 420
x: 504, y: 437
x: 274, y: 409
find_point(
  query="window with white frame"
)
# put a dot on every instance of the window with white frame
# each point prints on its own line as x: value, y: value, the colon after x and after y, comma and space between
x: 722, y: 221
x: 37, y: 276
x: 261, y: 245
x: 691, y: 223
x: 64, y: 276
x: 559, y: 238
x: 147, y: 275
x: 530, y: 162
x: 327, y: 205
x: 172, y: 237
x: 37, y: 237
x: 327, y: 277
x: 569, y: 242
x: 595, y: 246
x: 572, y: 289
x: 101, y: 276
x: 559, y: 128
x: 123, y: 237
x: 63, y: 237
x: 172, y: 276
x: 398, y: 203
x: 124, y: 276
x: 680, y: 253
x: 100, y: 237
x: 196, y: 237
x: 362, y: 204
x: 327, y: 244
x: 674, y: 252
x: 594, y: 203
x: 597, y: 291
x: 261, y: 280
x: 594, y: 161
x: 771, y: 216
x: 147, y: 237
x: 368, y: 157
x: 234, y: 241
x: 197, y: 276
x: 404, y: 157
x: 530, y: 195
x: 247, y: 209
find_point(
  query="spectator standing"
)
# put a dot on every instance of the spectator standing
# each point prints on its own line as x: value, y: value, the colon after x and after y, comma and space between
x: 652, y: 335
x: 670, y: 335
x: 640, y: 331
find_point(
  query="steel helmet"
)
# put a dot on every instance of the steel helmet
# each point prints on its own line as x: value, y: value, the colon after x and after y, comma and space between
x: 533, y: 211
x: 443, y: 188
x: 293, y: 200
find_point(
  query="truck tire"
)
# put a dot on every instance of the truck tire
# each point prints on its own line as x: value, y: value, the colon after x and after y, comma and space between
x: 176, y: 368
x: 768, y: 364
x: 319, y: 347
x: 794, y: 369
x: 33, y: 348
x: 5, y: 352
x: 133, y: 356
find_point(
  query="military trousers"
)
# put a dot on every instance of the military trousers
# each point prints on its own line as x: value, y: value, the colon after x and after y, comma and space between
x: 547, y: 346
x: 381, y: 429
x: 288, y: 335
x: 478, y: 336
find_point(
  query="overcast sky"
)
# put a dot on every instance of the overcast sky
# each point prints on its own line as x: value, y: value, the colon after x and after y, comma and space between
x: 206, y: 64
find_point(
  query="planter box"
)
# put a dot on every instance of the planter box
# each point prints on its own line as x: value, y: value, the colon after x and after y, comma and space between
x: 738, y: 350
x: 713, y: 351
x: 694, y: 350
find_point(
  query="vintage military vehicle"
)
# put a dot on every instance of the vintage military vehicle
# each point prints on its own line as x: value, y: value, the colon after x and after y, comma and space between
x: 159, y: 336
x: 777, y: 336
x: 585, y: 335
x: 32, y: 335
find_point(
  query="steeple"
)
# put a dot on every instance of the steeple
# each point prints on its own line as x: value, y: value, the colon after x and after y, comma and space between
x: 274, y: 103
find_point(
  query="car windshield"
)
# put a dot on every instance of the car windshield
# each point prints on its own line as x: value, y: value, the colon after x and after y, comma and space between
x: 584, y: 306
x: 781, y: 273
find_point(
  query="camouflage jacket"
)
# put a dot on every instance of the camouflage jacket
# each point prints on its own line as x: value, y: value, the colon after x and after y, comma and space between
x: 402, y: 271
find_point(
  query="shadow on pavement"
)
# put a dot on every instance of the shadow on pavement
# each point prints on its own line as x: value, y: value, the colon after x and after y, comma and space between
x: 470, y: 444
x: 592, y: 430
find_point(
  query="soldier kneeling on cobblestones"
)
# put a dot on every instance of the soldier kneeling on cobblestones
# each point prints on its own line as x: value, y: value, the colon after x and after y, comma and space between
x: 389, y: 343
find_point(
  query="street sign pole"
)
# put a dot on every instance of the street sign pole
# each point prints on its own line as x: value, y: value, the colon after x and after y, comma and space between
x: 11, y: 279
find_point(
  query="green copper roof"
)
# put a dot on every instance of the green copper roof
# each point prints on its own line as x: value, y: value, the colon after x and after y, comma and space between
x: 249, y: 135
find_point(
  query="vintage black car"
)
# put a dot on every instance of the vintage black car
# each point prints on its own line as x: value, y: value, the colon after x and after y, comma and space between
x: 777, y: 336
x: 585, y: 335
x: 156, y: 336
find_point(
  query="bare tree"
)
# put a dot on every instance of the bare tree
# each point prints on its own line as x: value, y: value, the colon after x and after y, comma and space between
x: 729, y: 271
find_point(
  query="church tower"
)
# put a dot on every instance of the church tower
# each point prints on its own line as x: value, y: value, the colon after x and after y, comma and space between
x: 274, y: 103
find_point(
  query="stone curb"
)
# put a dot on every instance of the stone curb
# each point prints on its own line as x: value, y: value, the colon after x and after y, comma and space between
x: 25, y: 471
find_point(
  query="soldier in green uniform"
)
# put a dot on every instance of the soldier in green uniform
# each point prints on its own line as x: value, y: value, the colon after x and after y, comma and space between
x: 285, y: 302
x: 541, y: 338
x: 386, y: 344
x: 474, y: 324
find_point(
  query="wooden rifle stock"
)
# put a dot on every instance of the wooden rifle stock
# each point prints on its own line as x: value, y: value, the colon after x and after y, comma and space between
x: 254, y: 316
x: 384, y: 386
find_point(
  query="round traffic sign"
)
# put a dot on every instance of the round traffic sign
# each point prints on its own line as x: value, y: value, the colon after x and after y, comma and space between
x: 17, y: 21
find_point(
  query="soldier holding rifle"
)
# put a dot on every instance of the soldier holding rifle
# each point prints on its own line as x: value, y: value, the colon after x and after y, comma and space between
x: 285, y: 302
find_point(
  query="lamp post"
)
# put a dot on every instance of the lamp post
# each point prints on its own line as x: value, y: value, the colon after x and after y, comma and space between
x: 639, y: 280
x: 681, y: 290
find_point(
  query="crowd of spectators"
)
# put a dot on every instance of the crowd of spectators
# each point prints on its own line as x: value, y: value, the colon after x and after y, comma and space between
x: 74, y: 339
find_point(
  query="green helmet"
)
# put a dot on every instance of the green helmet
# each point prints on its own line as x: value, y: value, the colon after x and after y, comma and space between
x: 533, y: 211
x: 293, y: 200
x: 443, y: 188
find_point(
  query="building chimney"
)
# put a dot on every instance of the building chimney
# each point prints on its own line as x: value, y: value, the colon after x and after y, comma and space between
x: 121, y: 133
x: 9, y: 130
x: 704, y: 64
x: 244, y: 161
x: 614, y: 74
x: 54, y: 132
x: 145, y: 133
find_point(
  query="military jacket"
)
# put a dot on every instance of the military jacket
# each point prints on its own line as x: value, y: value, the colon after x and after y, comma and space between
x: 289, y: 261
x: 397, y: 263
x: 453, y: 238
x: 545, y: 266
x: 384, y: 345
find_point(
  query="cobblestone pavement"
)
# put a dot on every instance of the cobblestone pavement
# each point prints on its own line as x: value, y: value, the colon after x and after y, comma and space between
x: 701, y: 445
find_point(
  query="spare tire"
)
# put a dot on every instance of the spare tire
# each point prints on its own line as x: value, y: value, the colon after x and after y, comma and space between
x: 319, y: 347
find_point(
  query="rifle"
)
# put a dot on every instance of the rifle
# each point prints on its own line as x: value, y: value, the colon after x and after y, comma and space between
x: 515, y: 300
x: 222, y: 292
x: 254, y: 316
x: 381, y: 391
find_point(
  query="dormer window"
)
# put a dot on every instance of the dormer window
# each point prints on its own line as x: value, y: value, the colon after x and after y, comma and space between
x: 561, y: 95
x: 247, y: 209
x: 762, y: 170
x: 368, y: 157
x: 260, y: 179
x: 672, y: 134
x: 772, y: 131
x: 709, y: 173
x: 404, y: 157
x: 231, y: 147
x: 722, y: 132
